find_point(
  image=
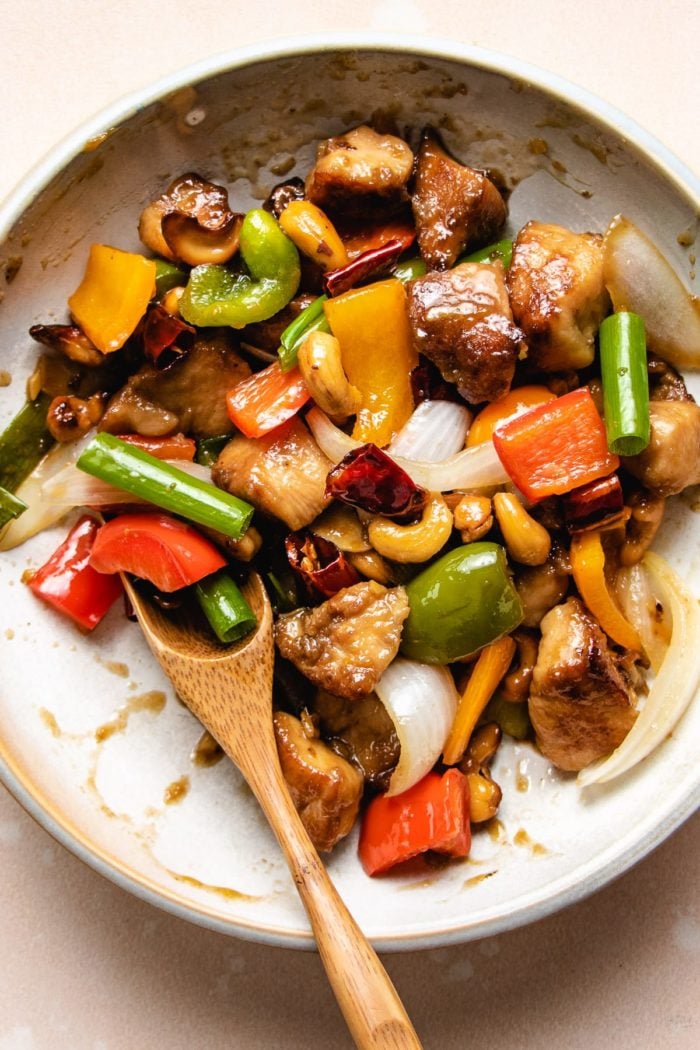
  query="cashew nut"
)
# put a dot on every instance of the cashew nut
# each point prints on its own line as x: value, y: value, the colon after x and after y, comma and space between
x: 526, y: 540
x: 473, y: 517
x: 322, y: 369
x: 417, y: 542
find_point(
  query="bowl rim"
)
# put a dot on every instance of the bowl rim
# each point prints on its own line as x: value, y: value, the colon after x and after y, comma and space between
x: 36, y: 180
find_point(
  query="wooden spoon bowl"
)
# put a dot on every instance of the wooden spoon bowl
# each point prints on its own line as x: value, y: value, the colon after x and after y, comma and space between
x: 229, y: 689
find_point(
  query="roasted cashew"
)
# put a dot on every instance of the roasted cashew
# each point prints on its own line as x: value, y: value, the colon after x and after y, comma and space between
x: 321, y: 366
x: 473, y: 517
x: 417, y: 542
x: 526, y: 540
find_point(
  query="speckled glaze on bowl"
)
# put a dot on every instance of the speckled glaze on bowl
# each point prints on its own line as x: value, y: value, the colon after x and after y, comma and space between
x: 92, y: 739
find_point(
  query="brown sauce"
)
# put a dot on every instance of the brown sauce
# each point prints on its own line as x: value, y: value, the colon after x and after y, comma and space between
x: 176, y: 791
x: 206, y: 751
x: 476, y: 879
x: 522, y: 838
x: 222, y: 891
x: 153, y: 701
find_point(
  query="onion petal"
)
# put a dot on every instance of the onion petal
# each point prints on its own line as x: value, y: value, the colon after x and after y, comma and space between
x: 674, y: 685
x: 436, y: 430
x: 638, y: 602
x: 473, y: 468
x: 639, y: 278
x: 421, y: 700
x: 41, y: 512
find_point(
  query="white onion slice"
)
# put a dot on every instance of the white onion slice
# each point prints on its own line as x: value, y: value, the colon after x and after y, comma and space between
x: 638, y: 602
x: 41, y: 513
x: 639, y: 278
x: 672, y: 689
x: 436, y: 430
x: 74, y: 488
x: 421, y: 700
x: 473, y: 468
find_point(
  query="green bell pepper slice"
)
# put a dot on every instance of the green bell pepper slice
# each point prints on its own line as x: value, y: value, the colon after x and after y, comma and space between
x: 216, y: 295
x: 23, y: 442
x: 459, y: 604
x: 168, y: 276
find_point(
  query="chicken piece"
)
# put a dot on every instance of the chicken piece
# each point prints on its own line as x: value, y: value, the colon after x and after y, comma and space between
x: 461, y: 321
x: 455, y: 208
x: 189, y: 396
x: 362, y: 732
x: 360, y: 172
x: 541, y: 587
x: 325, y: 789
x: 581, y: 699
x: 665, y: 383
x: 282, y: 474
x: 557, y: 294
x: 345, y: 644
x: 671, y: 460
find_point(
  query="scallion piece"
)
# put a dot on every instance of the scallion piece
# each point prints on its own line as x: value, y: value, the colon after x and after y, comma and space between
x: 409, y: 268
x: 208, y: 449
x: 10, y: 507
x: 225, y: 607
x: 623, y: 370
x: 24, y: 442
x: 135, y: 471
x: 502, y: 250
x: 312, y: 319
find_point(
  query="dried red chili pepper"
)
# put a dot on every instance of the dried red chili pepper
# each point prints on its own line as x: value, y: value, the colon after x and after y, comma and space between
x: 370, y: 264
x: 427, y: 384
x: 369, y: 479
x: 322, y: 566
x: 595, y: 505
x: 160, y: 331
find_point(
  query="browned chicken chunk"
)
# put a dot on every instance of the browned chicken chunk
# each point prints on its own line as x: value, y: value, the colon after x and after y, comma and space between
x: 345, y: 644
x: 557, y: 294
x: 541, y: 587
x: 671, y: 460
x: 189, y: 396
x: 360, y: 171
x: 282, y: 474
x: 362, y: 732
x: 325, y: 789
x: 581, y: 699
x: 455, y: 208
x: 461, y: 320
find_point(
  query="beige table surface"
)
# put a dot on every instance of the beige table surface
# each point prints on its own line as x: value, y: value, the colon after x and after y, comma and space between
x: 83, y: 965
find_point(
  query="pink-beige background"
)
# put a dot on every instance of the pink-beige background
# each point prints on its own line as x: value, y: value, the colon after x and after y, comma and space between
x: 84, y: 966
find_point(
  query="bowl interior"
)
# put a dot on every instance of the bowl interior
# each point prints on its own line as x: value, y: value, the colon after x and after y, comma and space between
x: 209, y: 856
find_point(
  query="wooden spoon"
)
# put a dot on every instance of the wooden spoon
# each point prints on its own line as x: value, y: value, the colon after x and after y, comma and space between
x: 229, y: 689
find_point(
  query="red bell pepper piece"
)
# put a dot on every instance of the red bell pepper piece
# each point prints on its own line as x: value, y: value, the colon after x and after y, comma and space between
x: 155, y: 547
x: 432, y: 815
x: 555, y: 447
x: 266, y: 399
x: 70, y: 584
x: 174, y: 446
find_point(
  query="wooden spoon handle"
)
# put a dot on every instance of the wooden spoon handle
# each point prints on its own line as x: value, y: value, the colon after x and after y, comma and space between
x: 370, y: 1004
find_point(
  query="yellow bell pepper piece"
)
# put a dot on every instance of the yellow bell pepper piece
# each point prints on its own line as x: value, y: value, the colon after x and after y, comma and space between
x: 588, y: 567
x: 492, y: 663
x: 112, y: 296
x: 314, y: 234
x: 371, y: 325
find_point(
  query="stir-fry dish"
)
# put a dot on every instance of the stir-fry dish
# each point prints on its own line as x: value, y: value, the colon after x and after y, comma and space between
x: 445, y: 445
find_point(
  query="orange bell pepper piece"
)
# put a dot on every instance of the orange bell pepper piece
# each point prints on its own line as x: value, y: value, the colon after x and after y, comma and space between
x: 112, y: 296
x: 431, y: 815
x: 555, y: 447
x: 492, y: 663
x: 514, y: 403
x: 588, y: 567
x: 266, y: 399
x: 371, y: 325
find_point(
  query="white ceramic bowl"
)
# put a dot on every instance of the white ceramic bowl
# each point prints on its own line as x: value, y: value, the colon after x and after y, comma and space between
x: 210, y: 858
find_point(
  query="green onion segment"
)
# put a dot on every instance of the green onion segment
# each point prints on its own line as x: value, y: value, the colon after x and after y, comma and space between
x: 137, y: 472
x: 623, y: 370
x: 225, y: 607
x: 10, y: 507
x: 312, y: 319
x: 24, y: 442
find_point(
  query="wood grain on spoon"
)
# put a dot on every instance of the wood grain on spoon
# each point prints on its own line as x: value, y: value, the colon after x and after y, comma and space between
x: 229, y: 689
